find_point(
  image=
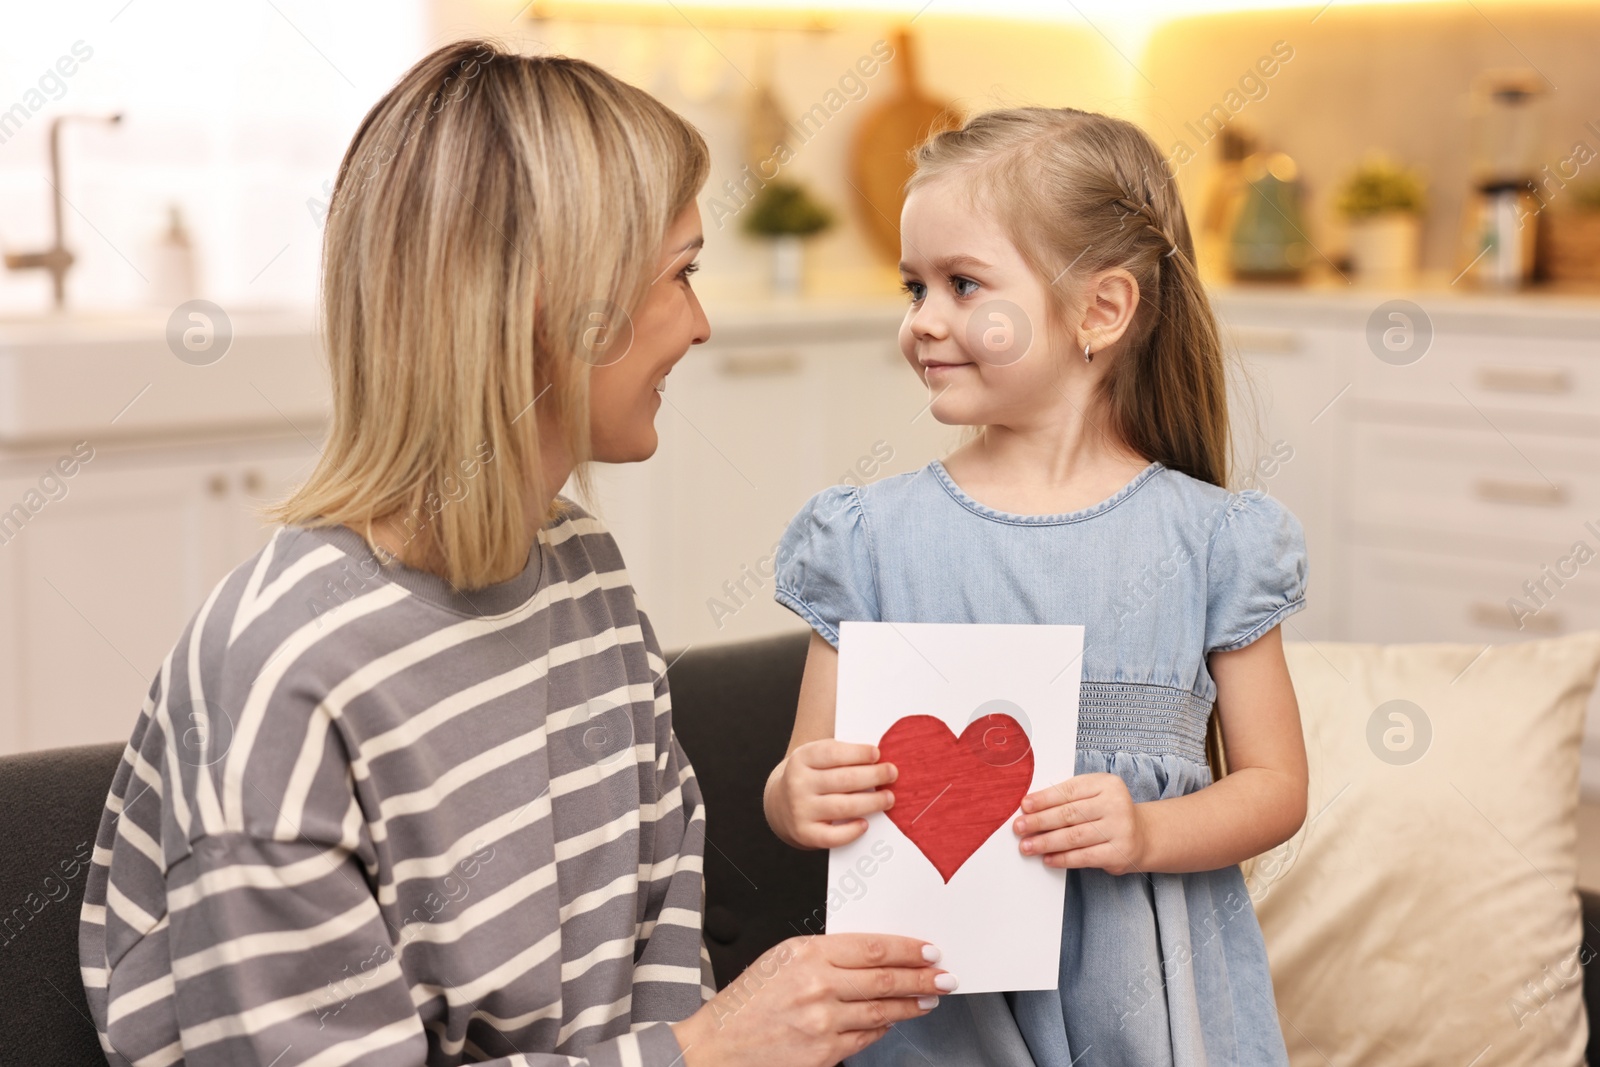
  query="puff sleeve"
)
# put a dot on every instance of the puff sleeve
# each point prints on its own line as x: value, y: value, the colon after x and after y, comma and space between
x: 1256, y: 574
x: 824, y: 570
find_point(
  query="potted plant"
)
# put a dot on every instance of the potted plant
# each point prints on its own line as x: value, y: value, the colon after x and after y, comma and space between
x: 785, y: 214
x: 1569, y: 235
x: 1383, y: 203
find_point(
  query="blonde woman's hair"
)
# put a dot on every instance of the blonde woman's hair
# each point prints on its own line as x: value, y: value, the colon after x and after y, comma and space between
x: 1078, y: 193
x: 495, y: 220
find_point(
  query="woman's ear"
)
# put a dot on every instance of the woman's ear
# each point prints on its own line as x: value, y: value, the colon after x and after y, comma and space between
x: 1110, y: 300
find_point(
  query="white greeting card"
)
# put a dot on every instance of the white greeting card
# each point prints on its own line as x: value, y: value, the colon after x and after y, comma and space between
x: 975, y: 716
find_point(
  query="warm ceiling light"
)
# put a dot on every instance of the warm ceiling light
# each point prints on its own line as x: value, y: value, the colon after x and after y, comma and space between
x: 809, y: 14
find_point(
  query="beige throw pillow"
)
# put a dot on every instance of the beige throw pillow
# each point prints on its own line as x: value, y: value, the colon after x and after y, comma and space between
x: 1427, y: 911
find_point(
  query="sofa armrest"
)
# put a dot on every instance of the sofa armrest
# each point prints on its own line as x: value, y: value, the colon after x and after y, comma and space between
x: 733, y: 709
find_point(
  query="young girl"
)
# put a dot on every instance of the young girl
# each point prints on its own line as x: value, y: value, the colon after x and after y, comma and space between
x: 1055, y: 309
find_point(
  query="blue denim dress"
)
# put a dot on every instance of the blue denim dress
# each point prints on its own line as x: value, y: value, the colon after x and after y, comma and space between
x: 1157, y: 969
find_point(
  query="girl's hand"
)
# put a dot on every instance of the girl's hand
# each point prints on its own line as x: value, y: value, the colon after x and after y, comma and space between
x: 823, y: 781
x: 1089, y: 820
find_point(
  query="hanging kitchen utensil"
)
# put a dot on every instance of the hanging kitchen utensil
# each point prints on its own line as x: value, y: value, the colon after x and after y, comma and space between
x: 880, y: 158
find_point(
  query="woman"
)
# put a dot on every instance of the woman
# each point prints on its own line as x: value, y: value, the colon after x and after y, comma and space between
x: 406, y: 790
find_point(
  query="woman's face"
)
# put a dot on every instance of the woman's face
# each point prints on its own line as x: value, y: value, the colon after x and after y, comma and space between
x: 625, y: 393
x: 977, y: 328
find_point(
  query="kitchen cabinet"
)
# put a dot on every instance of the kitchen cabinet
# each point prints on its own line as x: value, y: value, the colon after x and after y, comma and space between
x: 97, y: 585
x: 1449, y: 483
x: 1287, y: 432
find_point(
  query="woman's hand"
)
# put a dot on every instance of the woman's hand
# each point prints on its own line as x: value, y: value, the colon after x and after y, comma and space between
x: 812, y: 1001
x: 824, y: 781
x: 1089, y: 820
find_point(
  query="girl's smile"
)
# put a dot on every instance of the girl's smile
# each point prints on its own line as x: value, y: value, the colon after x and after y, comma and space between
x: 932, y: 370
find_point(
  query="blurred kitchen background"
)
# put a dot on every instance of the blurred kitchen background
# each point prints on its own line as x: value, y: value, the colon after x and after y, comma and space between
x: 1397, y: 206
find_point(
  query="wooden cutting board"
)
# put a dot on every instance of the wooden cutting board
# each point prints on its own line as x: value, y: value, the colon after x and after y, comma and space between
x: 880, y: 156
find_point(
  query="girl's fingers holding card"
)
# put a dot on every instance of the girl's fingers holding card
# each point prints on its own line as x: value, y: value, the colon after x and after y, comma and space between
x: 1071, y: 837
x: 832, y: 806
x: 856, y: 778
x: 1054, y: 818
x: 829, y: 752
x: 832, y: 835
x: 1107, y: 857
x: 1043, y: 844
x: 1076, y: 788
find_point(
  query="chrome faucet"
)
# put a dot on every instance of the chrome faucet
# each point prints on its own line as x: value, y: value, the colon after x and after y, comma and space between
x: 55, y: 259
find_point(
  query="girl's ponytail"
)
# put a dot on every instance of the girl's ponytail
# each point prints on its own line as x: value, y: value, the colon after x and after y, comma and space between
x: 1169, y: 394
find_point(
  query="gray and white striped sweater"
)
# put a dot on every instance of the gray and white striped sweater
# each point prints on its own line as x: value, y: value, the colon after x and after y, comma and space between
x: 365, y: 818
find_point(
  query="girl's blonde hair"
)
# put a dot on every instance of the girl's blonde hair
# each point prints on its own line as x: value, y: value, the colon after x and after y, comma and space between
x: 495, y: 220
x: 1077, y: 193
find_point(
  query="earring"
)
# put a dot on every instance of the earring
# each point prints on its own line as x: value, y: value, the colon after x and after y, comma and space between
x: 1088, y: 357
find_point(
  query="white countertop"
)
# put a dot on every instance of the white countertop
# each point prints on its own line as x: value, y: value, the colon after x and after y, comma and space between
x: 746, y: 321
x: 110, y: 375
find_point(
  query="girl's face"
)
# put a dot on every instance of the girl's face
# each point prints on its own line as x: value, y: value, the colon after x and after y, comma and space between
x: 978, y: 328
x: 625, y: 392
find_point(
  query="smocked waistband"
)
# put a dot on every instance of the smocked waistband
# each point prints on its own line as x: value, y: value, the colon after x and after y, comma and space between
x: 1140, y: 717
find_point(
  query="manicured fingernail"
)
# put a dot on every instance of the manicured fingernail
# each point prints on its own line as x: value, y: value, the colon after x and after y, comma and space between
x: 946, y: 981
x: 1027, y: 846
x: 1020, y: 825
x: 931, y: 954
x: 1027, y: 804
x: 927, y: 1003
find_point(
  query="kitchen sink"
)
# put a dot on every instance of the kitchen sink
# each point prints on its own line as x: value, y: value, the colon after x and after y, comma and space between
x: 67, y: 376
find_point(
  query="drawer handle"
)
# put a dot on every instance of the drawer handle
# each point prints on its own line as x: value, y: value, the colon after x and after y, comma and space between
x: 763, y: 365
x: 1535, y: 493
x: 1257, y: 339
x: 1499, y: 617
x: 1525, y: 379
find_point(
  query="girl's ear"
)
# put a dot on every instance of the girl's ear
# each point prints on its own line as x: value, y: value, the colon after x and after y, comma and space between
x: 1110, y: 300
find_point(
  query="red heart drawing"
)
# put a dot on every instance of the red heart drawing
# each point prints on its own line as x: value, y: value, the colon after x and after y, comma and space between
x: 953, y: 792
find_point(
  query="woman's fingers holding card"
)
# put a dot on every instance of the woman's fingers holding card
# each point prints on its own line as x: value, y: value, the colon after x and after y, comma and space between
x: 869, y: 951
x: 875, y: 983
x: 806, y: 1012
x: 873, y: 1014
